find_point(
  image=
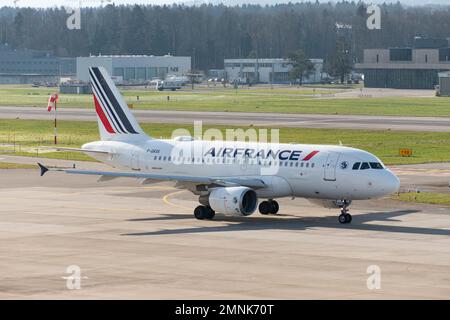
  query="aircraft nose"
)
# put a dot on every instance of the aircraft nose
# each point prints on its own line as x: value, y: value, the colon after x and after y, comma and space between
x: 391, y: 183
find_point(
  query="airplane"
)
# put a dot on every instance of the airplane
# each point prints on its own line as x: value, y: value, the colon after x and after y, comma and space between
x: 229, y: 177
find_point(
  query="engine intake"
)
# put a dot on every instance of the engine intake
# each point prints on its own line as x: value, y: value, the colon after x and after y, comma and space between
x: 237, y: 201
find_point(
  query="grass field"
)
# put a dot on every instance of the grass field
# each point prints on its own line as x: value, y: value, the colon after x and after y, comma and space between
x: 8, y: 165
x: 427, y: 146
x: 424, y: 197
x: 284, y: 100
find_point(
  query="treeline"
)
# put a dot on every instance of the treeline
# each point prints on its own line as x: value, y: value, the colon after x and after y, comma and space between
x: 210, y: 33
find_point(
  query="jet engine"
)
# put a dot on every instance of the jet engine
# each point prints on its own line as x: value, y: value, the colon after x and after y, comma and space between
x: 331, y: 204
x: 236, y: 201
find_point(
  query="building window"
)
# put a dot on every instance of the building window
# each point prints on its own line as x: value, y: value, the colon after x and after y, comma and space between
x: 378, y: 58
x: 400, y: 54
x: 118, y: 72
x: 141, y: 74
x: 152, y: 73
x: 130, y: 73
x: 163, y: 71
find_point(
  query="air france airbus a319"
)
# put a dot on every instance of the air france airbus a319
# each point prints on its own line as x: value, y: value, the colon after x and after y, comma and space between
x: 230, y: 177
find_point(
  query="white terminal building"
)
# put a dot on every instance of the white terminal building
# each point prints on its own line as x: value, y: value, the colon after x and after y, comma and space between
x: 267, y: 70
x: 134, y: 68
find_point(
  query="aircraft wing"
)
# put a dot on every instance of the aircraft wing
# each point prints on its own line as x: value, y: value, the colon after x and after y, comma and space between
x: 217, y: 181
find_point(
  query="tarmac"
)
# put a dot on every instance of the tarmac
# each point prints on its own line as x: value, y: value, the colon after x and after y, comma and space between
x: 277, y: 120
x: 142, y: 242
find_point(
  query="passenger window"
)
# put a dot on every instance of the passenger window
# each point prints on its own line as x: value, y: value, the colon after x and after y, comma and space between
x: 356, y: 166
x: 312, y: 165
x: 376, y: 165
x: 296, y: 164
x: 302, y: 164
x: 365, y: 166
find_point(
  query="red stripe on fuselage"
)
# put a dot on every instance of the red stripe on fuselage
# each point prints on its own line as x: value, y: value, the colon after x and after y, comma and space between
x: 309, y: 156
x: 102, y: 116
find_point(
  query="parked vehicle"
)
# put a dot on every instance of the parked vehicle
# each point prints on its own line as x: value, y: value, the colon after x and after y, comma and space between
x: 168, y: 85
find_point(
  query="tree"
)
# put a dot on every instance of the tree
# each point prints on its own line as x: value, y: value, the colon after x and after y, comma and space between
x: 340, y: 64
x: 301, y: 66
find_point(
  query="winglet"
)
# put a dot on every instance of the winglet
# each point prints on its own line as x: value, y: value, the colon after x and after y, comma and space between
x: 43, y: 168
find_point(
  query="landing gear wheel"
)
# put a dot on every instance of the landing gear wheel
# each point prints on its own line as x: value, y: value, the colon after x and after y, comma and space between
x: 275, y: 207
x: 345, y: 218
x: 210, y: 213
x: 203, y: 212
x: 348, y: 217
x: 342, y: 218
x: 269, y: 207
x: 200, y: 212
x: 265, y: 207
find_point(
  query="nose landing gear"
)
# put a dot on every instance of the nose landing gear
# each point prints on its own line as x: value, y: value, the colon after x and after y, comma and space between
x: 345, y: 217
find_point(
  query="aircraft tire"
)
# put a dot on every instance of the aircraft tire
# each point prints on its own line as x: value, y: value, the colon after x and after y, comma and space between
x: 200, y: 212
x: 210, y: 213
x: 275, y: 207
x: 265, y: 207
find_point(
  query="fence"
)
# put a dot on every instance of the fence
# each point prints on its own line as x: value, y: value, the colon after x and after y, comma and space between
x: 31, y: 146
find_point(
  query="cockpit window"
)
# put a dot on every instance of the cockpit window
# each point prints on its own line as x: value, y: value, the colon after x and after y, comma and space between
x: 365, y: 166
x: 376, y: 165
x: 356, y: 165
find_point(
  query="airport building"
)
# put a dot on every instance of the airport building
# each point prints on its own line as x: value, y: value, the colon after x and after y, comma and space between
x: 267, y: 70
x: 444, y: 84
x: 24, y: 66
x: 134, y: 69
x: 416, y: 67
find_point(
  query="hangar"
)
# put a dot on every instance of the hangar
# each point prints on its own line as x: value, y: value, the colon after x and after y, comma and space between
x: 415, y: 67
x: 134, y: 68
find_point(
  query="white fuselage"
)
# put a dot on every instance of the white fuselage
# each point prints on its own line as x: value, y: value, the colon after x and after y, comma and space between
x: 288, y: 170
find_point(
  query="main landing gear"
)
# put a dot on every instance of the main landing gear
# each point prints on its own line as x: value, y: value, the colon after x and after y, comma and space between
x: 270, y: 206
x: 345, y: 217
x: 204, y: 212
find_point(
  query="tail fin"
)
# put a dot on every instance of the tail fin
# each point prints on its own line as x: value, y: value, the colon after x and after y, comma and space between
x: 115, y: 120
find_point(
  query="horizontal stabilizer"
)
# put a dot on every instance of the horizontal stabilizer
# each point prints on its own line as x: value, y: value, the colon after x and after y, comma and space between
x: 43, y: 169
x: 75, y: 150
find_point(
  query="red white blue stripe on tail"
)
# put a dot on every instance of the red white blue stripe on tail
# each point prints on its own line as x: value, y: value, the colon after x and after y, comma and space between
x: 111, y: 109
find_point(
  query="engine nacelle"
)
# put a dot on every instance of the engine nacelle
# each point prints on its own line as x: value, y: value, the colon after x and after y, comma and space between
x: 331, y: 204
x: 236, y: 201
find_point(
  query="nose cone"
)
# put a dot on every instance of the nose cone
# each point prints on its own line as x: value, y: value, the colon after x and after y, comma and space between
x: 391, y: 183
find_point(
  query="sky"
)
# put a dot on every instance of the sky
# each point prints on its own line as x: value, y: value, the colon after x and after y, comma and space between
x: 50, y: 3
